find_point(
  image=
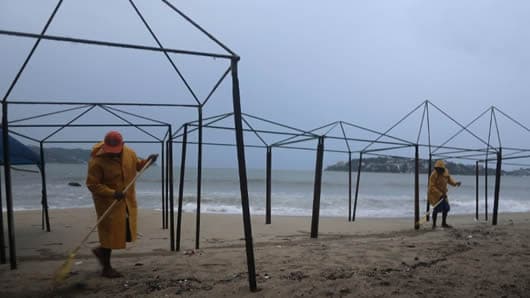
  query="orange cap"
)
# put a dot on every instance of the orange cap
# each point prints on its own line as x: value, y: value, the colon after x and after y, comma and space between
x: 113, y: 142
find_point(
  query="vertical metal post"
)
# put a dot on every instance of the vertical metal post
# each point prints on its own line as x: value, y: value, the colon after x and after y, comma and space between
x: 9, y: 193
x: 44, y: 199
x: 317, y: 188
x: 349, y: 185
x: 359, y: 167
x: 181, y: 183
x: 163, y: 176
x: 486, y: 189
x: 416, y: 188
x: 3, y: 258
x: 165, y: 202
x: 171, y: 197
x: 243, y: 177
x: 497, y: 186
x: 199, y: 182
x: 268, y: 203
x: 476, y: 189
x: 5, y: 138
x: 428, y: 179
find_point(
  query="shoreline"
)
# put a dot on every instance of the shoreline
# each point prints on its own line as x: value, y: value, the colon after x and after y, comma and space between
x: 368, y: 257
x: 422, y: 212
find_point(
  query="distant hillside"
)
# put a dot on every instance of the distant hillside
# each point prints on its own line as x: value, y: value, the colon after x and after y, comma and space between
x: 64, y: 155
x: 406, y: 165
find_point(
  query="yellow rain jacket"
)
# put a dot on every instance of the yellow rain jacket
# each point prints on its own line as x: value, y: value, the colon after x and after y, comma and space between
x: 106, y: 175
x: 438, y: 183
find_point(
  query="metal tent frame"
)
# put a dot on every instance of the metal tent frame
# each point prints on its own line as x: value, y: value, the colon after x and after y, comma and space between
x: 479, y: 155
x: 230, y: 56
x: 291, y: 136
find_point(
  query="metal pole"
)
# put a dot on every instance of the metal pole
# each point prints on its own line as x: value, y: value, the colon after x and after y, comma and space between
x: 163, y: 175
x: 318, y: 188
x: 497, y: 186
x: 5, y: 138
x: 164, y: 225
x: 112, y: 44
x: 166, y: 186
x: 3, y: 258
x: 166, y: 199
x: 476, y: 189
x: 9, y: 193
x: 428, y: 179
x: 417, y: 188
x: 268, y: 202
x: 171, y: 198
x: 199, y: 181
x: 243, y: 177
x: 181, y: 183
x: 349, y: 186
x: 486, y: 189
x: 44, y: 200
x: 359, y: 167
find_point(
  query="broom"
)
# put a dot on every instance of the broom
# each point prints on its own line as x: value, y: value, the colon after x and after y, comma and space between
x: 424, y: 218
x: 65, y: 269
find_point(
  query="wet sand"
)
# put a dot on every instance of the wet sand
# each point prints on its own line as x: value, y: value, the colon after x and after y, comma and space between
x: 366, y: 258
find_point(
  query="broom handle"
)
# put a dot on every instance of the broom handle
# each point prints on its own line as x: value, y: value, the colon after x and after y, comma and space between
x: 430, y: 211
x: 147, y: 164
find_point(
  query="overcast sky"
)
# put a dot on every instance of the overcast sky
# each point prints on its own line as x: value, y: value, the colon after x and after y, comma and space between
x: 303, y: 63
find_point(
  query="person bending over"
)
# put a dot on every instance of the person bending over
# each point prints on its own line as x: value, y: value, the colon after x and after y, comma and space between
x: 111, y: 168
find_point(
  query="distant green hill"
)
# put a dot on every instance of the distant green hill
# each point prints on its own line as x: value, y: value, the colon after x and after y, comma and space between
x: 406, y: 165
x: 64, y: 155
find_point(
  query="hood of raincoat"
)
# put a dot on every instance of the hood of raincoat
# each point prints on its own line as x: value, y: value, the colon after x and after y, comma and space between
x: 97, y: 149
x: 439, y: 164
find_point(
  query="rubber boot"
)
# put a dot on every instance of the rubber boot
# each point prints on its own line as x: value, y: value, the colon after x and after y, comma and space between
x: 444, y: 221
x: 434, y: 215
x: 108, y: 271
x: 100, y: 255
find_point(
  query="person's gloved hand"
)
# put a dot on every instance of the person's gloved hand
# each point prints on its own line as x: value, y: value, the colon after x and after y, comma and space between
x: 118, y: 195
x: 152, y: 157
x: 458, y: 183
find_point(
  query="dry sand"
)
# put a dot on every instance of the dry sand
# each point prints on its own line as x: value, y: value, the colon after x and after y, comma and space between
x: 367, y: 258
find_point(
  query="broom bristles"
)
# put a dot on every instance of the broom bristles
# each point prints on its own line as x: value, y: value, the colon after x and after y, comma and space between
x: 65, y: 269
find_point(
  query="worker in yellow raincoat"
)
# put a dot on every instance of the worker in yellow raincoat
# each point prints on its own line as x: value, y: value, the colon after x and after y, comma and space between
x: 111, y: 167
x: 438, y: 191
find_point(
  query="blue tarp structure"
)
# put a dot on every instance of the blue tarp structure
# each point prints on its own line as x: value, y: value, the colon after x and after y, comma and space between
x: 20, y: 154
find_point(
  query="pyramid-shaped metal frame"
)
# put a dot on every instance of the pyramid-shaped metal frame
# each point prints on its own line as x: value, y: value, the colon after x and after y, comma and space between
x: 232, y: 68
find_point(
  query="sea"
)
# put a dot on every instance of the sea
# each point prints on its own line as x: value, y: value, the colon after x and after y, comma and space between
x: 380, y: 194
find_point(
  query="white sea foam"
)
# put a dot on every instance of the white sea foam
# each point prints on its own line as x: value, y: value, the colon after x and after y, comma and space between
x: 380, y: 195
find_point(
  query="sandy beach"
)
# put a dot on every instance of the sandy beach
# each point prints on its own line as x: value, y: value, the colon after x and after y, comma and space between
x: 367, y: 258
